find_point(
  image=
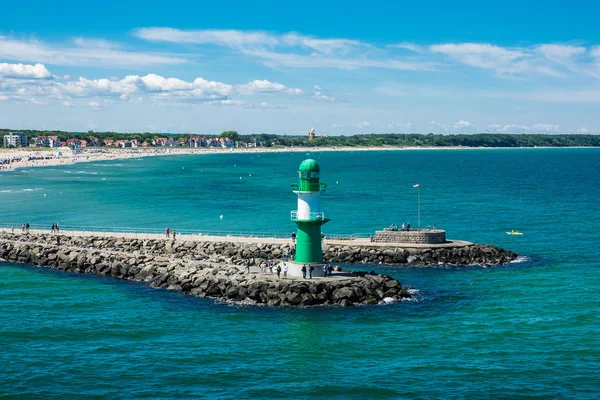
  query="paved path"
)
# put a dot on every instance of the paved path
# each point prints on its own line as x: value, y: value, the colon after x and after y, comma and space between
x: 248, y: 239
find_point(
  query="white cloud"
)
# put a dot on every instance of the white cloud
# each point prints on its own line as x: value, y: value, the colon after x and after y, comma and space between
x: 24, y: 71
x: 457, y: 126
x: 583, y: 129
x: 508, y: 128
x: 462, y: 124
x: 67, y: 104
x: 319, y: 96
x: 545, y: 127
x: 208, y: 36
x: 560, y: 53
x: 91, y: 53
x: 363, y: 124
x: 265, y: 86
x: 408, y: 46
x: 266, y: 106
x: 289, y: 49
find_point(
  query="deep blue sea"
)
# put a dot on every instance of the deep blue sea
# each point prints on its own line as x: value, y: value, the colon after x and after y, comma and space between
x: 524, y: 330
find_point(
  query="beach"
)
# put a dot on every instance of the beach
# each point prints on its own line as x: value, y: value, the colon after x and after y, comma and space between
x: 12, y: 159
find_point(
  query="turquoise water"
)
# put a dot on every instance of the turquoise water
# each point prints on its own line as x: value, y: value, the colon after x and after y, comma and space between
x: 525, y: 330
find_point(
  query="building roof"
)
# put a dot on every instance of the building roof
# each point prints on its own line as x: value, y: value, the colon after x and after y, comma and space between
x: 309, y: 165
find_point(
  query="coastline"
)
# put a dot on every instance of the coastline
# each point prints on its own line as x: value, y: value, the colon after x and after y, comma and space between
x: 62, y: 156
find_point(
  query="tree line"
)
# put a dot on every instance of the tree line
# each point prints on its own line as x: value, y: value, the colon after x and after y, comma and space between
x: 368, y: 140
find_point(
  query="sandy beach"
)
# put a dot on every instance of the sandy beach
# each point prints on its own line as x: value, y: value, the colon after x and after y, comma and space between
x: 12, y: 159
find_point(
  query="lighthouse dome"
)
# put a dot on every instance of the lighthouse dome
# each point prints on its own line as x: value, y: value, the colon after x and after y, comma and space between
x: 309, y: 165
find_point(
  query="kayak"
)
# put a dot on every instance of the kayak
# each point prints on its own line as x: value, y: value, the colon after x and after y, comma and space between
x: 514, y: 233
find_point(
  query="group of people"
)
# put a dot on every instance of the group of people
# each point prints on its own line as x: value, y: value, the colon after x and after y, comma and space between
x: 55, y: 228
x: 270, y: 267
x: 168, y: 230
x: 404, y: 227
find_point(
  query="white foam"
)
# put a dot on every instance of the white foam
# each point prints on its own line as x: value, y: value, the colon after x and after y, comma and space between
x: 520, y: 259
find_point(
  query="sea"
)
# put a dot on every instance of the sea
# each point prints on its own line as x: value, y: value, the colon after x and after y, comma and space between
x: 526, y: 330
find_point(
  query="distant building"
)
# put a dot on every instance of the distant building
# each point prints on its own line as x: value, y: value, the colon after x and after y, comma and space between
x: 15, y: 139
x: 311, y: 134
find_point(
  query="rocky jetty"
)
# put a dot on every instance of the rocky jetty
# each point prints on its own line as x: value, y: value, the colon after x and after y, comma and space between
x: 476, y: 254
x: 196, y: 268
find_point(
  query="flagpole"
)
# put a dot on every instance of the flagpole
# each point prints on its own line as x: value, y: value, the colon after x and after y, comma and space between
x: 419, y: 207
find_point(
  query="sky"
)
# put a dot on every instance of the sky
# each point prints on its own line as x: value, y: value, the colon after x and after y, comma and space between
x: 342, y: 68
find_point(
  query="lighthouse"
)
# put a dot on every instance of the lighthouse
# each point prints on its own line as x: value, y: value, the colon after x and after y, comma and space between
x: 309, y: 218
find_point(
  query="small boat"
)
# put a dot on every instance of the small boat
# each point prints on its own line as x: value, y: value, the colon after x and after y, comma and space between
x: 513, y: 232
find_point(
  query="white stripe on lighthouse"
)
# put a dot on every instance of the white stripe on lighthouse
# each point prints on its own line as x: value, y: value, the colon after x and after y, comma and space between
x: 308, y: 203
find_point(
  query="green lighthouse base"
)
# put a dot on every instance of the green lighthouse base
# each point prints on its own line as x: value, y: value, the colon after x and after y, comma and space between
x: 308, y: 242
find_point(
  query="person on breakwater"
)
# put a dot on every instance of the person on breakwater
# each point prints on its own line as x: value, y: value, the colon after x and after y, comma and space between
x: 293, y: 237
x: 27, y: 227
x: 286, y: 255
x: 53, y: 227
x: 271, y: 266
x: 23, y: 227
x: 247, y: 267
x: 57, y: 227
x: 285, y: 270
x: 278, y: 271
x: 310, y: 271
x: 167, y: 232
x: 325, y: 270
x: 174, y: 234
x: 303, y: 269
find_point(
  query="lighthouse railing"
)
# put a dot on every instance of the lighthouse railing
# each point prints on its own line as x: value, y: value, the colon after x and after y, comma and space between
x: 313, y: 216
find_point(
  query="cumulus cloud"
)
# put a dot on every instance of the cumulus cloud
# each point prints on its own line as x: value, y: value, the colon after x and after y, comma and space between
x: 583, y: 129
x: 265, y: 86
x: 24, y: 71
x: 103, y: 92
x: 363, y: 124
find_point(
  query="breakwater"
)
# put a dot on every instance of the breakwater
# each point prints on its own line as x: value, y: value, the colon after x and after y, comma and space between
x: 195, y: 269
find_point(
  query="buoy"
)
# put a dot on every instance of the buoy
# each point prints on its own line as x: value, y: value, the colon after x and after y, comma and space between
x: 44, y: 194
x: 336, y: 182
x: 249, y: 174
x: 240, y: 177
x: 220, y: 216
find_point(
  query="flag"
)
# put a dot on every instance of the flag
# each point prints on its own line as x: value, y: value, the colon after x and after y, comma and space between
x: 417, y: 185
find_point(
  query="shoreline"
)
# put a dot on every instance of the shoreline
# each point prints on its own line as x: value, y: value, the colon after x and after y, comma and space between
x: 62, y: 156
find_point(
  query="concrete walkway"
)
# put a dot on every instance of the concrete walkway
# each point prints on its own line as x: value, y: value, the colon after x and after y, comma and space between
x: 366, y: 243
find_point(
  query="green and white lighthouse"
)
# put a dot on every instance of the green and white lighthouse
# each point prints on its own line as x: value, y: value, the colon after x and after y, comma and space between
x: 308, y: 216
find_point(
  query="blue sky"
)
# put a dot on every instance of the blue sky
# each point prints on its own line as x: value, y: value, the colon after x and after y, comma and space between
x: 285, y: 67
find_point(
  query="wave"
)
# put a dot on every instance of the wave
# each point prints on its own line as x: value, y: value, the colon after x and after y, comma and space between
x: 520, y: 259
x: 21, y: 190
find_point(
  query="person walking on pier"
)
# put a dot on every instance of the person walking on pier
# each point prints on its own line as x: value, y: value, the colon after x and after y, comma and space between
x: 278, y: 270
x: 271, y: 266
x: 56, y: 227
x: 167, y: 232
x: 53, y: 228
x: 247, y: 267
x: 23, y: 227
x: 325, y: 270
x: 174, y: 234
x: 27, y: 227
x: 285, y: 270
x: 286, y: 255
x: 310, y: 271
x: 303, y: 269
